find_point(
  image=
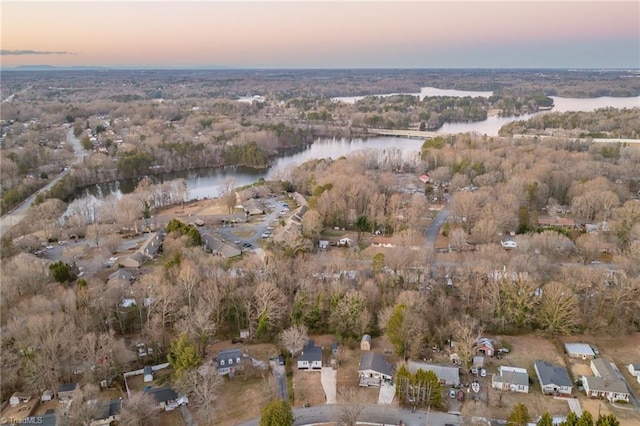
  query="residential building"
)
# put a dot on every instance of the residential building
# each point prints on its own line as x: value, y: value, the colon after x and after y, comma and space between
x: 107, y: 413
x: 311, y: 357
x: 66, y: 392
x: 513, y: 379
x: 607, y: 383
x: 218, y: 247
x: 485, y: 346
x: 229, y: 361
x: 579, y: 350
x: 634, y: 369
x: 19, y: 398
x: 148, y: 374
x: 374, y: 369
x: 553, y: 379
x: 167, y: 398
x: 446, y: 374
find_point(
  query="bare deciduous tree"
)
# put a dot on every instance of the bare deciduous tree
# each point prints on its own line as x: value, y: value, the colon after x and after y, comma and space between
x: 294, y: 338
x: 140, y: 409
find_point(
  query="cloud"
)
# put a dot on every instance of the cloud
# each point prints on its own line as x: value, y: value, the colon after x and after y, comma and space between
x: 32, y: 52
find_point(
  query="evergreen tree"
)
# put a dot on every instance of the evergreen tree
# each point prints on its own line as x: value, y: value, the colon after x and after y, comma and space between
x: 519, y: 416
x: 276, y: 413
x: 545, y: 420
x: 183, y: 355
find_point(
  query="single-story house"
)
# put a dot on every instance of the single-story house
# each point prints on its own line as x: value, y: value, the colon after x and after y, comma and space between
x: 485, y: 346
x: 253, y: 207
x: 511, y: 378
x: 365, y: 343
x: 218, y: 247
x: 229, y: 361
x: 579, y: 350
x: 66, y: 392
x: 167, y: 398
x: 121, y: 275
x: 424, y: 178
x: 446, y: 374
x: 323, y: 244
x: 311, y: 357
x: 107, y: 413
x: 46, y: 396
x: 611, y: 390
x: 148, y: 374
x: 508, y: 244
x: 134, y: 260
x: 147, y: 251
x: 345, y: 242
x: 386, y: 242
x: 562, y: 222
x: 604, y: 368
x: 18, y: 398
x: 374, y: 369
x: 634, y: 369
x: 553, y: 379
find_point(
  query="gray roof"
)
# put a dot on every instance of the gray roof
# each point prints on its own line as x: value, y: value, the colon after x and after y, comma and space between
x: 579, y: 349
x: 550, y: 374
x: 604, y: 385
x: 229, y: 354
x: 311, y: 352
x: 376, y: 362
x: 217, y: 246
x: 451, y: 375
x: 108, y: 409
x: 147, y: 369
x: 366, y: 338
x: 604, y: 369
x: 67, y: 387
x: 513, y: 377
x: 636, y: 366
x: 121, y: 274
x: 162, y: 394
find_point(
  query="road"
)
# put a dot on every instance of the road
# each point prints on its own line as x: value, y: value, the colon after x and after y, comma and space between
x: 372, y: 413
x: 17, y: 214
x: 432, y: 230
x: 267, y: 220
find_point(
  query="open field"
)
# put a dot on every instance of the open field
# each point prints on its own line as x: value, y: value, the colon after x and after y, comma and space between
x: 307, y: 387
x: 242, y: 398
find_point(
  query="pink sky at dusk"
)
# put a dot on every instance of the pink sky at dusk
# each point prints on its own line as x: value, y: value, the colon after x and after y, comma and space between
x: 392, y: 34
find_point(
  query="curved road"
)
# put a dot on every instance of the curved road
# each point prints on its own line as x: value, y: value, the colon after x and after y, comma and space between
x: 431, y: 233
x: 17, y: 214
x: 381, y: 414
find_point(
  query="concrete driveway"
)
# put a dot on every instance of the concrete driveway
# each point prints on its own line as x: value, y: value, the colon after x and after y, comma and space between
x: 329, y: 378
x: 387, y: 393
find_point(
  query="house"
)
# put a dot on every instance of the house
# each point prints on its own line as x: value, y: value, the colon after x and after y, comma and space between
x: 374, y: 369
x: 547, y: 222
x: 611, y: 390
x: 485, y: 346
x: 46, y: 396
x: 511, y: 378
x: 424, y: 178
x: 386, y: 242
x: 148, y: 374
x: 607, y: 383
x: 134, y: 260
x: 244, y: 333
x: 554, y: 379
x: 323, y: 244
x: 311, y: 357
x: 107, y: 413
x: 122, y: 276
x: 66, y: 392
x: 167, y: 398
x: 218, y: 247
x: 446, y: 375
x: 297, y: 217
x: 508, y: 244
x: 229, y: 361
x: 579, y: 350
x: 19, y: 398
x: 365, y: 343
x: 253, y: 207
x: 345, y: 242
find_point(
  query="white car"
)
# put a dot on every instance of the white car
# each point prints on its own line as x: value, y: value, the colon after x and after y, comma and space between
x: 483, y: 372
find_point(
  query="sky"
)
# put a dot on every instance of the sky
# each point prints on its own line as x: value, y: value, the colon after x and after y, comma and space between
x: 326, y: 34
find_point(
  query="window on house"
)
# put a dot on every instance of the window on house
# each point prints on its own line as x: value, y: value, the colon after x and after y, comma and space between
x: 230, y: 361
x: 238, y: 360
x: 222, y: 362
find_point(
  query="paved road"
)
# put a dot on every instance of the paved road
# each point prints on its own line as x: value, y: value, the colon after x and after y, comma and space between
x: 372, y: 413
x: 281, y: 380
x: 432, y: 230
x: 267, y: 220
x: 16, y: 215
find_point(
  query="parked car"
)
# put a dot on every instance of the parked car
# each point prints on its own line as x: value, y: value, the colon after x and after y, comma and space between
x: 452, y: 393
x: 483, y: 372
x: 474, y: 370
x: 281, y: 360
x: 266, y: 234
x: 460, y: 395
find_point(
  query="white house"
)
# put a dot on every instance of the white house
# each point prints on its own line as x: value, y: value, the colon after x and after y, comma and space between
x: 508, y: 244
x: 447, y: 375
x: 511, y: 378
x: 19, y: 398
x: 553, y: 379
x: 374, y: 369
x: 634, y: 369
x: 311, y: 357
x: 607, y: 383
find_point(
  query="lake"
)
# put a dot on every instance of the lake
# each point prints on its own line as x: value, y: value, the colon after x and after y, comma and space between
x: 208, y: 182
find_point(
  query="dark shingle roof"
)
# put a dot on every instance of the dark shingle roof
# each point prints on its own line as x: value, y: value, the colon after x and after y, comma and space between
x: 376, y: 362
x: 311, y: 352
x: 162, y: 394
x: 552, y: 374
x: 68, y: 387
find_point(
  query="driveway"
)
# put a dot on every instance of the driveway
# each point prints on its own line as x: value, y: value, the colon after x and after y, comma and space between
x: 257, y: 228
x: 329, y: 378
x: 574, y: 405
x: 281, y: 380
x: 387, y: 392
